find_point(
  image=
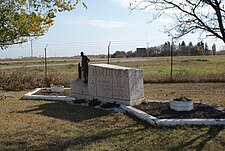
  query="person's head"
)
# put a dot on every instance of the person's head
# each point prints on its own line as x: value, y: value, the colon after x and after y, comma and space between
x: 81, y: 53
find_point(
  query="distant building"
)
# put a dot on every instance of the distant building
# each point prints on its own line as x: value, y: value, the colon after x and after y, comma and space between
x: 141, y: 52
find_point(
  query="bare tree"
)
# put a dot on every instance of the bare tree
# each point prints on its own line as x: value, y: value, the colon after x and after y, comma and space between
x: 190, y: 16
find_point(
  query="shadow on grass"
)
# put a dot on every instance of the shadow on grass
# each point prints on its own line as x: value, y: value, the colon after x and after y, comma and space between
x: 80, y: 143
x: 201, y: 140
x: 198, y: 143
x: 123, y: 133
x: 67, y: 112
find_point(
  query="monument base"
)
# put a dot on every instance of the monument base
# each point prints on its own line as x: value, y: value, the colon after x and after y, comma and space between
x: 79, y: 87
x: 110, y: 83
x: 79, y: 90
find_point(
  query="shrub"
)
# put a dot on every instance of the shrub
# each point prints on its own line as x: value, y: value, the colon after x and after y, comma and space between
x: 110, y: 105
x: 80, y: 101
x: 94, y: 102
x: 22, y: 79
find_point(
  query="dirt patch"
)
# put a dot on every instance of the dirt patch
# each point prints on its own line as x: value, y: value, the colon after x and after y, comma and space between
x: 162, y: 110
x: 50, y: 93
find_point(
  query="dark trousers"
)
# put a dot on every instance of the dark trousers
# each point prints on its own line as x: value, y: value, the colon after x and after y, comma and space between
x: 85, y: 74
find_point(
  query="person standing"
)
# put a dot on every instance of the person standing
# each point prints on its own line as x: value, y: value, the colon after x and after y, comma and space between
x: 84, y: 65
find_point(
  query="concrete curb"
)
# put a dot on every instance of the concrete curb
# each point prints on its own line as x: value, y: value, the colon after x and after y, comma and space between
x: 68, y: 99
x: 30, y: 96
x: 170, y: 122
x: 140, y: 114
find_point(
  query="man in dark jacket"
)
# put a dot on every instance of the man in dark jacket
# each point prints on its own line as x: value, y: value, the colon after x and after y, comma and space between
x: 84, y: 64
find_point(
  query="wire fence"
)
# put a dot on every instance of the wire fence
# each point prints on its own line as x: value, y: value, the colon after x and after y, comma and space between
x: 35, y: 48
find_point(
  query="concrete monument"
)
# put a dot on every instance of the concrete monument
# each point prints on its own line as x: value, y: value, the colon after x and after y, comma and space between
x: 110, y: 83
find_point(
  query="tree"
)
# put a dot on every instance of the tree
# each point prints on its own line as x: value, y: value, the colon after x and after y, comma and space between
x: 183, y: 44
x: 207, y: 51
x: 190, y: 45
x: 214, y: 49
x: 20, y: 19
x: 192, y: 49
x: 200, y: 48
x: 183, y: 48
x: 206, y: 16
x: 165, y: 51
x: 119, y: 54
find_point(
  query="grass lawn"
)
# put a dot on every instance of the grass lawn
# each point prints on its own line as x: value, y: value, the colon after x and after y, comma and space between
x: 48, y: 125
x: 194, y: 65
x: 197, y: 65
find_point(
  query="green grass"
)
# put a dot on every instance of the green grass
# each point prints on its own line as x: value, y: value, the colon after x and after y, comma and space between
x: 48, y: 125
x: 185, y: 68
x: 37, y: 61
x: 196, y: 65
x: 193, y: 65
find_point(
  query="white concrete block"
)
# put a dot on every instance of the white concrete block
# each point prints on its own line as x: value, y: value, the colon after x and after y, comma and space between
x: 173, y: 122
x: 31, y: 96
x: 113, y: 83
x: 140, y: 114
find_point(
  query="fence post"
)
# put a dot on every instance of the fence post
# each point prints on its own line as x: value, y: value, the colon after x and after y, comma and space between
x: 46, y: 69
x: 109, y: 51
x: 171, y: 61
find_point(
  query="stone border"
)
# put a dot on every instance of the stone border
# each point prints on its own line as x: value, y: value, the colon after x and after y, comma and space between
x: 170, y: 122
x: 68, y: 99
x: 138, y: 113
x: 30, y: 96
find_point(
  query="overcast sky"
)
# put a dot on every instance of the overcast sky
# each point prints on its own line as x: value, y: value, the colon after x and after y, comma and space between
x: 91, y: 30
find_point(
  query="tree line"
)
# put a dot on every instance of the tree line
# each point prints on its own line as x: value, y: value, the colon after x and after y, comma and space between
x: 182, y: 49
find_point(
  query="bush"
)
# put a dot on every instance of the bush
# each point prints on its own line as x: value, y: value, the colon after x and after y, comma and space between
x: 80, y: 101
x: 110, y: 105
x: 94, y: 102
x: 22, y: 79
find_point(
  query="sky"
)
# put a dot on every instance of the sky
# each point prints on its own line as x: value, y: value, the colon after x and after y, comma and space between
x: 90, y: 30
